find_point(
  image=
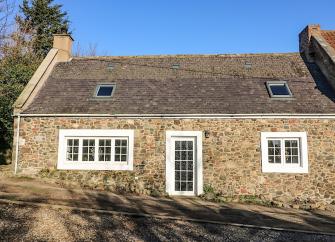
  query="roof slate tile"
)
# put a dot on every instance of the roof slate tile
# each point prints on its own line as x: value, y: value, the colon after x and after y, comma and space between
x: 213, y: 84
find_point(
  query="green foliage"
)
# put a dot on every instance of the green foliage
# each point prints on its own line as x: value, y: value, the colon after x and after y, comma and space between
x: 41, y: 19
x: 208, y: 189
x: 18, y: 68
x: 253, y: 199
x: 8, y: 94
x: 22, y: 54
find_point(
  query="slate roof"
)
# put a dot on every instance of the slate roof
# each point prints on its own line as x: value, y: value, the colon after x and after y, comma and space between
x: 203, y: 84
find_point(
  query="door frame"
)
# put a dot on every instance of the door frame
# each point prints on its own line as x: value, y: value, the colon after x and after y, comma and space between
x: 198, y: 178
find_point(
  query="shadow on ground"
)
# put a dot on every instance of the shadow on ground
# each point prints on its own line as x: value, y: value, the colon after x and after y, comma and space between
x: 30, y: 222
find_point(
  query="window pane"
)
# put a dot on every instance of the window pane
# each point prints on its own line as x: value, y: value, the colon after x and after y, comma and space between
x: 117, y: 158
x: 190, y: 155
x: 72, y: 150
x: 183, y: 165
x: 183, y: 186
x: 291, y: 151
x: 177, y: 165
x: 189, y: 145
x: 294, y: 151
x: 121, y: 150
x: 177, y: 145
x: 277, y: 159
x: 288, y: 159
x: 88, y: 149
x: 274, y: 151
x: 279, y: 89
x: 276, y: 143
x: 183, y: 145
x: 75, y: 157
x: 190, y: 186
x: 177, y: 155
x: 294, y: 143
x: 104, y: 149
x: 108, y: 157
x: 117, y: 142
x: 295, y: 159
x: 105, y: 91
x: 183, y: 155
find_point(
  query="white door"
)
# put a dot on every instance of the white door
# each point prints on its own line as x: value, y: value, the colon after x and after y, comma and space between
x: 183, y: 158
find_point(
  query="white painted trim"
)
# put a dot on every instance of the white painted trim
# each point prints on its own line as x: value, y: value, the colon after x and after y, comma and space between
x: 170, y: 167
x: 280, y: 168
x: 17, y: 143
x: 96, y: 165
x: 191, y: 116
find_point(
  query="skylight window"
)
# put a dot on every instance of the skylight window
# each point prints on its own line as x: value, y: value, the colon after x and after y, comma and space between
x: 105, y: 90
x: 175, y: 66
x: 247, y: 65
x: 278, y: 89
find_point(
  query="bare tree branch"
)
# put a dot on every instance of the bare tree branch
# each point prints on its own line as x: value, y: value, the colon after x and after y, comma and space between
x: 6, y: 13
x: 90, y: 51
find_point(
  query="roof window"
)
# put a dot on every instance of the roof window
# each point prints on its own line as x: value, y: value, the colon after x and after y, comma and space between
x: 110, y: 66
x: 247, y: 65
x: 175, y: 66
x: 105, y: 90
x: 278, y: 89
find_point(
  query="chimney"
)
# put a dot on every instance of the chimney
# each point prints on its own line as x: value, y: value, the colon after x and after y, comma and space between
x: 305, y: 41
x: 63, y: 42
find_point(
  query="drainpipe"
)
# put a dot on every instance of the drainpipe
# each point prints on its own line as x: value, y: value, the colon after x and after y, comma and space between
x: 17, y: 144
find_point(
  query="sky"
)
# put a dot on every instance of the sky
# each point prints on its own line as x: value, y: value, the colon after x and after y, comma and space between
x: 124, y: 27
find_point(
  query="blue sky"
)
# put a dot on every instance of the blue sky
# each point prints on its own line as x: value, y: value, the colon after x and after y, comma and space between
x: 194, y: 27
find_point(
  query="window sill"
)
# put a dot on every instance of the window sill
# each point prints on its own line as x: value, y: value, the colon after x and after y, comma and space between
x: 276, y: 169
x: 94, y: 166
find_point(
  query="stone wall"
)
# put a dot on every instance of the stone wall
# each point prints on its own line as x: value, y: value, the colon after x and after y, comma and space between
x: 231, y: 155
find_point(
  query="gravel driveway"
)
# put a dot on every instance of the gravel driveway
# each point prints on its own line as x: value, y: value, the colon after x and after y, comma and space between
x: 30, y: 223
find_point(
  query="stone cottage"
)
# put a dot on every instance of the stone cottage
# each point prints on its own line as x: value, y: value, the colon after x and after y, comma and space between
x: 244, y: 124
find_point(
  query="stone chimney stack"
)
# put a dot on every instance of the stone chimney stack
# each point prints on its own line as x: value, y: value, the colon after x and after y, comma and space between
x: 63, y: 42
x: 305, y: 41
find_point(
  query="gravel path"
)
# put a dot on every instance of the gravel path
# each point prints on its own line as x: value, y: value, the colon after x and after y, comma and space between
x: 29, y: 223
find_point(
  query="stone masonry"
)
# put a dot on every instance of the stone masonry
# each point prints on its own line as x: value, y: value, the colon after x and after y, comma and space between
x: 231, y: 155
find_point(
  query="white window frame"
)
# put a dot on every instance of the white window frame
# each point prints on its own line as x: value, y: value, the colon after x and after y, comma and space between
x: 283, y: 167
x: 96, y: 134
x: 198, y: 184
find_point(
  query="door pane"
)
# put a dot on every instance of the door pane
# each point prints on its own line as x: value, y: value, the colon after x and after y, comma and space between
x: 184, y: 163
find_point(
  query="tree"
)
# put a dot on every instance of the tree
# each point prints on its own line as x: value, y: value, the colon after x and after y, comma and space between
x: 21, y: 54
x: 17, y: 65
x: 41, y: 19
x: 6, y: 11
